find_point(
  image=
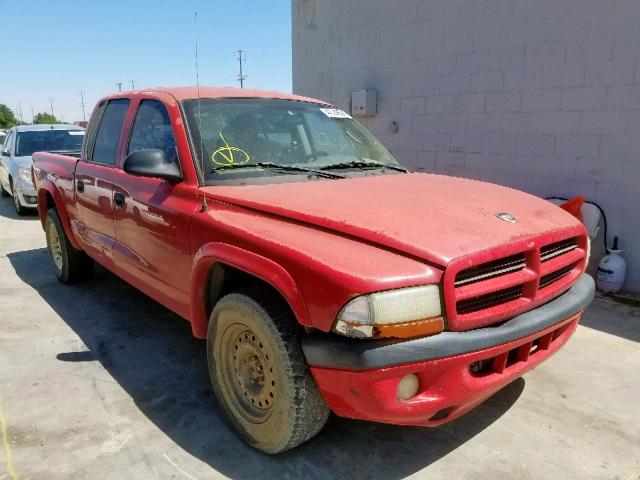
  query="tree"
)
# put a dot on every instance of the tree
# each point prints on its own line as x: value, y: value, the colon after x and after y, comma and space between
x: 7, y: 118
x: 44, y: 117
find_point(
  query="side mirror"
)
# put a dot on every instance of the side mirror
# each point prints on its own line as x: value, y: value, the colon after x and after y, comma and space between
x: 152, y: 163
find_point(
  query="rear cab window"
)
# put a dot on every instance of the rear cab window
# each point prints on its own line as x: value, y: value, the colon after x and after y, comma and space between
x: 102, y: 143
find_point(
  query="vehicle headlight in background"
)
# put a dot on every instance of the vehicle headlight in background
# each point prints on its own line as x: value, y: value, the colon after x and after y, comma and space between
x: 25, y: 175
x: 402, y: 313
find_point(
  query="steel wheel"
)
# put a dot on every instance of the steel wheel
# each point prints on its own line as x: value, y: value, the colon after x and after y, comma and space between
x: 55, y: 246
x: 247, y: 373
x: 69, y: 265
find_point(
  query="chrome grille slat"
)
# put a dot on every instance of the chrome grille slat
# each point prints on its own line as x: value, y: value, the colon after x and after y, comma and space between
x: 490, y: 299
x: 552, y: 277
x: 556, y: 249
x: 490, y: 269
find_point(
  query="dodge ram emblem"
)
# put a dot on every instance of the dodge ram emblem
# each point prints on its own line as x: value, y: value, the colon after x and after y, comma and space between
x: 506, y: 217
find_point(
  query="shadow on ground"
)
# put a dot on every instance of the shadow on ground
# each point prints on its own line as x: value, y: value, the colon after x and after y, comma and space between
x: 7, y: 210
x: 613, y: 316
x: 151, y: 353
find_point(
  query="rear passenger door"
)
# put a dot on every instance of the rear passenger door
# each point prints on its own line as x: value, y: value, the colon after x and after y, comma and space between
x: 153, y: 216
x: 94, y: 180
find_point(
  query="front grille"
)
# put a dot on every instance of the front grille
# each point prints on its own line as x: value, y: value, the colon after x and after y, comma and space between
x: 501, y: 266
x: 489, y: 300
x: 532, y: 273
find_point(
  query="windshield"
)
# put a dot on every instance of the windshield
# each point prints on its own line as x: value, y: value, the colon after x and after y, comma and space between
x: 284, y: 132
x: 48, y: 141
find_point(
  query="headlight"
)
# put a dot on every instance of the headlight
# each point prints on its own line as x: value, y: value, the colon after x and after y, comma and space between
x: 403, y: 313
x: 25, y: 174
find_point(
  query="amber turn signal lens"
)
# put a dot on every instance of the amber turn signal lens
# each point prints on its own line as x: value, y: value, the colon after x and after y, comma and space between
x: 419, y: 328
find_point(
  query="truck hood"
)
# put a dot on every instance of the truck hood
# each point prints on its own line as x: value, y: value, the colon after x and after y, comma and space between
x: 433, y: 217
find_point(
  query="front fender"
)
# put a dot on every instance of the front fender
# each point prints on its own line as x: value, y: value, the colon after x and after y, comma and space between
x: 47, y: 186
x: 249, y: 262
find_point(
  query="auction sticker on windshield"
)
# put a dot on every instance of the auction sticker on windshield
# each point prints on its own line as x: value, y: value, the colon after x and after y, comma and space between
x: 76, y: 132
x: 335, y: 113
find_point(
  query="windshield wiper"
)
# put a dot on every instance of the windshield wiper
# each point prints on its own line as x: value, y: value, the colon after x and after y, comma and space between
x: 364, y: 164
x: 276, y: 166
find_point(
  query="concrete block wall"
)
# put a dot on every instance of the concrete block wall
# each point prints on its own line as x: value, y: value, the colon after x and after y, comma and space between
x: 541, y: 95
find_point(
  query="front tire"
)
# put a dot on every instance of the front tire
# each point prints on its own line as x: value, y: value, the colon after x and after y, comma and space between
x: 3, y: 192
x: 259, y: 374
x: 69, y: 265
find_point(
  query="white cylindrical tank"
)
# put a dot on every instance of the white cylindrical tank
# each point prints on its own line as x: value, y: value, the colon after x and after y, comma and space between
x: 611, y: 270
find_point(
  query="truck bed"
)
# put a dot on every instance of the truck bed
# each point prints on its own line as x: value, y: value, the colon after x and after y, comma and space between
x: 58, y: 170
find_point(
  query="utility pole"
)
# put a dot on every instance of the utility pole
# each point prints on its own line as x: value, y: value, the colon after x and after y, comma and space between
x: 82, y: 104
x: 33, y: 115
x: 133, y: 85
x: 119, y: 85
x: 241, y: 77
x: 51, y: 103
x: 20, y: 112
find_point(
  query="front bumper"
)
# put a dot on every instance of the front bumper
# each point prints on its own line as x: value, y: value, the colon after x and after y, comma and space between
x: 456, y: 370
x: 27, y: 195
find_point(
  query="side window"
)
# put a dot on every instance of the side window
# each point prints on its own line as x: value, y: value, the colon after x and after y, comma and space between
x: 106, y: 141
x: 90, y: 138
x: 7, y: 141
x: 152, y: 130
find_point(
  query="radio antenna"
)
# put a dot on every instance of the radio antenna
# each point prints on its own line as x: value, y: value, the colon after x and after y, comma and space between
x: 201, y: 152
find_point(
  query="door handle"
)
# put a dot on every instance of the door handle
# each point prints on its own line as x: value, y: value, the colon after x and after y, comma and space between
x: 80, y: 186
x: 118, y: 199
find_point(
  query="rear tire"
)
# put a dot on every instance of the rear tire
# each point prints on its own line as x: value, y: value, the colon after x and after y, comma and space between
x: 20, y: 210
x: 69, y: 265
x: 259, y: 374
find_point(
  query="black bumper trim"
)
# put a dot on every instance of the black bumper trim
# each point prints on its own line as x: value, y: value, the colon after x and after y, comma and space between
x: 333, y: 351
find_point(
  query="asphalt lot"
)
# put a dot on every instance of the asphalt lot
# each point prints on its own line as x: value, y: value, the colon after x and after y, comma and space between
x: 98, y: 381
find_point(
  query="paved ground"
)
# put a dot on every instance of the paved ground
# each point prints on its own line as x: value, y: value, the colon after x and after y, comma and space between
x: 98, y: 381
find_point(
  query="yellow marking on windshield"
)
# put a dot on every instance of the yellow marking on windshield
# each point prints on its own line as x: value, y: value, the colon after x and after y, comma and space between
x: 228, y: 155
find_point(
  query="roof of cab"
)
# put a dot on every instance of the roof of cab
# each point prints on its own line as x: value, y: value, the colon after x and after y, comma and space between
x: 187, y: 93
x: 46, y: 126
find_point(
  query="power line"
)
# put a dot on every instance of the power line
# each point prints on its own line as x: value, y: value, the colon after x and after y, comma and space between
x: 82, y: 104
x: 241, y: 77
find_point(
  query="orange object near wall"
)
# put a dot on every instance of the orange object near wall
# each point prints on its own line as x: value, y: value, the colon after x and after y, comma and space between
x: 573, y: 206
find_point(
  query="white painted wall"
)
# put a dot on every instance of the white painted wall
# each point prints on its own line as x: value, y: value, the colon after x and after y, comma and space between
x: 541, y: 95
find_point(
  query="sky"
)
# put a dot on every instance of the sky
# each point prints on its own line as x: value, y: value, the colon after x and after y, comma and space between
x: 58, y: 48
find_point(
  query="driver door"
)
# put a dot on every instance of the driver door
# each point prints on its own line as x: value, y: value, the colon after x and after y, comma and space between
x: 153, y: 216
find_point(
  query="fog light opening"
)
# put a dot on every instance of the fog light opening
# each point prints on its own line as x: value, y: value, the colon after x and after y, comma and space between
x: 408, y: 387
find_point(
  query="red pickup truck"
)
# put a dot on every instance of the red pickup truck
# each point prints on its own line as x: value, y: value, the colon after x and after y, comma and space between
x: 323, y: 274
